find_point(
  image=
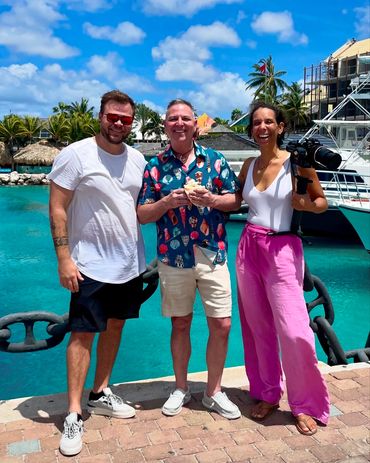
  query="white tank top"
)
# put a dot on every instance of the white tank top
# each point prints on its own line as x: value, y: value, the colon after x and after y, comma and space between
x: 271, y: 208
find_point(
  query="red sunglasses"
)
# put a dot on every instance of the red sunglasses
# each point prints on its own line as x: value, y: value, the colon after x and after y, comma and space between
x: 125, y: 120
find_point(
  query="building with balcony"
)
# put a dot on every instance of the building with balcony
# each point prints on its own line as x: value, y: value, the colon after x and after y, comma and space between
x: 328, y: 83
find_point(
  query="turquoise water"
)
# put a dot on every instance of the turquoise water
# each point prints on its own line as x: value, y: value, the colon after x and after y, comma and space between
x: 29, y: 282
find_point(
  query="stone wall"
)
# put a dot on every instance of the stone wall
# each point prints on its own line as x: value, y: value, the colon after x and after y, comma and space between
x: 23, y: 179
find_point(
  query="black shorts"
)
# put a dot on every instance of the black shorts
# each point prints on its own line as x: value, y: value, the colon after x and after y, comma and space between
x: 95, y: 302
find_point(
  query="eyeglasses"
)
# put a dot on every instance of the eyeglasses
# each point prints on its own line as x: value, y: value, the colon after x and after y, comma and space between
x: 125, y: 120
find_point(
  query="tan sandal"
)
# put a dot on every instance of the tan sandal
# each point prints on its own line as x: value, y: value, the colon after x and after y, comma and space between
x: 306, y: 425
x: 262, y: 410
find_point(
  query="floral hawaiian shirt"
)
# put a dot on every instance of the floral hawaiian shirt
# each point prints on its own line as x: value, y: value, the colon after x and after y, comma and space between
x: 180, y: 229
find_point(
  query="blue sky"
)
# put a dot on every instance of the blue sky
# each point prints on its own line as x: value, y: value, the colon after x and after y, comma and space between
x: 157, y: 50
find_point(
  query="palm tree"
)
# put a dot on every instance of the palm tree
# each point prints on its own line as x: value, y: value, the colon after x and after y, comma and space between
x: 81, y: 107
x: 31, y: 127
x: 266, y: 81
x: 76, y: 107
x: 220, y: 121
x: 61, y: 108
x: 81, y: 126
x: 155, y: 125
x: 294, y: 106
x: 130, y: 140
x: 58, y: 126
x: 11, y: 134
x: 143, y: 115
x: 236, y: 114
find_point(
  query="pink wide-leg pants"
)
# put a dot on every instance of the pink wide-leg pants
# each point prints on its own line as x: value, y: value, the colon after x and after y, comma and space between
x: 274, y: 319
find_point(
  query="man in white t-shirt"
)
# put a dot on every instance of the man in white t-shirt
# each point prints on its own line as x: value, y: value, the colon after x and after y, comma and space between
x: 94, y: 188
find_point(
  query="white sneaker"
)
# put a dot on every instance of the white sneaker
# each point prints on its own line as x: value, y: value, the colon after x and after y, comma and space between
x: 174, y: 403
x: 110, y: 405
x: 221, y: 404
x: 71, y: 441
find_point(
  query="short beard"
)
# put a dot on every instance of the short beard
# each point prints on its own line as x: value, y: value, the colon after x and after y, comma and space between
x: 105, y: 134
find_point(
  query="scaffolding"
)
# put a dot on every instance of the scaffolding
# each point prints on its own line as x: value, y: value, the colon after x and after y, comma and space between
x: 350, y: 134
x: 327, y: 84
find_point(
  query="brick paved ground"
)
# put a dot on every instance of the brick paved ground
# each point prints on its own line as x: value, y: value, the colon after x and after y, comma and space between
x: 197, y: 436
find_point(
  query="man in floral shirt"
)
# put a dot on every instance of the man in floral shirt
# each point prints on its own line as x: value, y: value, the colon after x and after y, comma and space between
x: 186, y: 191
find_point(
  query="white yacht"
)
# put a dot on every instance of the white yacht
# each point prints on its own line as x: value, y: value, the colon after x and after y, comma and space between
x: 351, y: 139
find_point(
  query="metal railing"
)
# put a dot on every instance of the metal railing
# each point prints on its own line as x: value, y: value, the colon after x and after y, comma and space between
x: 338, y: 186
x: 345, y: 186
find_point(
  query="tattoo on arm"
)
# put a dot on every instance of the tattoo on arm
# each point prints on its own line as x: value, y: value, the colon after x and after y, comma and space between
x: 60, y: 241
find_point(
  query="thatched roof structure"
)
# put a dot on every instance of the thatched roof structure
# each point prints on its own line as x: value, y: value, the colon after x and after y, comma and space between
x: 5, y: 159
x: 41, y: 153
x: 219, y: 128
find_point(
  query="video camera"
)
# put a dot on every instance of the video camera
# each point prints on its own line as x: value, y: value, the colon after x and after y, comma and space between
x: 309, y: 152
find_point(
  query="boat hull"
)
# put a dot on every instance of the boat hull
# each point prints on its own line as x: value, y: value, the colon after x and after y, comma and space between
x: 359, y: 216
x: 330, y: 223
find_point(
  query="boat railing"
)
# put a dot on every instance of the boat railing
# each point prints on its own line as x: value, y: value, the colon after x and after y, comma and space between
x: 341, y: 186
x: 236, y: 166
x: 338, y: 186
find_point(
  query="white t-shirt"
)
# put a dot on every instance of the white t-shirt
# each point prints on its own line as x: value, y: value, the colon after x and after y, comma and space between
x: 104, y: 235
x: 271, y: 208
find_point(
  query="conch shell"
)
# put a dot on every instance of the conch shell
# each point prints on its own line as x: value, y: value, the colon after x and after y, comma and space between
x: 190, y: 185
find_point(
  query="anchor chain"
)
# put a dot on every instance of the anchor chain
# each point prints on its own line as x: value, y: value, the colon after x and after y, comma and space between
x: 57, y: 326
x: 322, y: 326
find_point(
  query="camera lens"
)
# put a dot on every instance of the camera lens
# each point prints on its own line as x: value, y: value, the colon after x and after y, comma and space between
x: 326, y: 159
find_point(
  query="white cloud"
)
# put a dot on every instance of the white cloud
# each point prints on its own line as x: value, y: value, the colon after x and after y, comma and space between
x: 215, y: 34
x: 158, y: 108
x: 182, y: 49
x: 280, y: 24
x: 26, y: 28
x: 221, y: 96
x: 89, y: 5
x: 107, y: 65
x: 362, y: 24
x: 181, y: 7
x: 194, y: 43
x: 110, y: 67
x: 22, y: 71
x: 126, y: 33
x: 132, y: 83
x: 177, y: 69
x: 27, y: 89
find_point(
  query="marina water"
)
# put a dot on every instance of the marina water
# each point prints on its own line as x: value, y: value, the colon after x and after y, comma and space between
x: 29, y: 281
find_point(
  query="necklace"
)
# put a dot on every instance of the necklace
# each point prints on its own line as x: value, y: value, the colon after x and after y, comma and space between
x: 183, y: 157
x: 261, y: 167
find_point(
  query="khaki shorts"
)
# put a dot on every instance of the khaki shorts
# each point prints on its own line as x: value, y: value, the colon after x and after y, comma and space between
x: 178, y: 287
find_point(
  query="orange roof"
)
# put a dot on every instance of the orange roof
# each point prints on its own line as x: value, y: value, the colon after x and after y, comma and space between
x: 204, y: 123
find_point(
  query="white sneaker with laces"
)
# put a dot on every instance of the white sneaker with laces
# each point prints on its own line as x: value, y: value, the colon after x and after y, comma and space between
x: 221, y: 404
x: 110, y: 405
x: 71, y: 441
x: 175, y: 402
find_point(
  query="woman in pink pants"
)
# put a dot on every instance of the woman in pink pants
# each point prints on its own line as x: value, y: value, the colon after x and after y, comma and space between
x: 270, y: 266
